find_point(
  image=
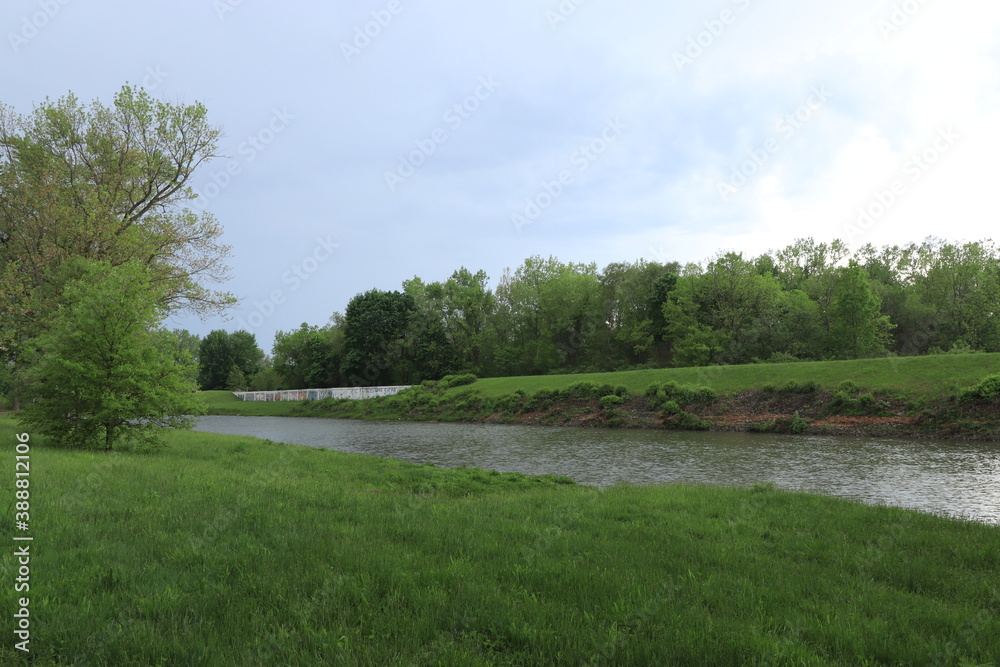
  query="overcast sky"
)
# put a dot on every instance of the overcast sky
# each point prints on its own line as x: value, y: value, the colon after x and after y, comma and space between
x: 372, y: 141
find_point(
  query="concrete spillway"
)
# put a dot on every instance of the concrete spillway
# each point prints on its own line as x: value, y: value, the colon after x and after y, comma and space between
x: 317, y: 394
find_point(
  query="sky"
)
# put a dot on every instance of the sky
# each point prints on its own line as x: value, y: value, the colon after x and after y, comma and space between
x: 369, y: 142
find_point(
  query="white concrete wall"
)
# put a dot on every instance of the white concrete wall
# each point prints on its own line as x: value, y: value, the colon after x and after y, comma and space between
x: 316, y: 394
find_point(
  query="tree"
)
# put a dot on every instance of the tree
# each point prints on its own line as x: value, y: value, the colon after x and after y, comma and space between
x: 731, y: 295
x: 374, y: 326
x: 310, y: 356
x: 100, y: 374
x: 109, y: 184
x: 220, y: 351
x: 236, y: 380
x: 858, y: 327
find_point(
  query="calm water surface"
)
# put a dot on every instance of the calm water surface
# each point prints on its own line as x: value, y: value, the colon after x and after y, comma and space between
x: 957, y: 479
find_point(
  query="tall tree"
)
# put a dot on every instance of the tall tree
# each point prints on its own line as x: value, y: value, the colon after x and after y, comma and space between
x: 375, y: 324
x: 104, y: 183
x: 221, y: 351
x: 100, y: 373
x: 859, y: 329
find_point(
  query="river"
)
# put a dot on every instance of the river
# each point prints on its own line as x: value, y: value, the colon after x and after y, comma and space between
x: 950, y: 478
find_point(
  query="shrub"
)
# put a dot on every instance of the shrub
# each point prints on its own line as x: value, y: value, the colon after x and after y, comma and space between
x: 847, y: 387
x: 987, y: 390
x: 798, y: 424
x: 542, y: 399
x: 702, y: 395
x: 611, y: 401
x: 794, y: 387
x: 670, y: 408
x: 449, y: 381
x: 582, y: 390
x: 617, y: 390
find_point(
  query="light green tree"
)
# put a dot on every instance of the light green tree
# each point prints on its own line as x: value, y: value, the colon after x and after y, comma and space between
x: 100, y: 373
x: 858, y: 328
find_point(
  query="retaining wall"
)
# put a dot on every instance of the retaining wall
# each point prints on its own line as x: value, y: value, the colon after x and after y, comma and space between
x: 317, y: 394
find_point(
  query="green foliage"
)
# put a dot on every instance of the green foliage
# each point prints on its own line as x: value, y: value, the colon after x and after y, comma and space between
x: 236, y: 381
x: 583, y: 390
x: 220, y: 351
x: 988, y: 390
x: 108, y: 183
x: 859, y: 329
x: 374, y: 326
x: 449, y: 381
x: 800, y: 387
x: 658, y: 394
x: 611, y: 401
x: 798, y: 424
x: 310, y: 356
x: 101, y: 374
x: 682, y: 420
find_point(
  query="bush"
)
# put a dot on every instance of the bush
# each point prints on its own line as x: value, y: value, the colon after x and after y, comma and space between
x: 847, y: 387
x: 449, y: 381
x: 686, y: 421
x: 656, y: 396
x: 670, y: 408
x: 617, y: 390
x: 794, y: 387
x: 798, y: 424
x: 987, y: 390
x: 582, y: 390
x: 542, y: 399
x: 611, y: 401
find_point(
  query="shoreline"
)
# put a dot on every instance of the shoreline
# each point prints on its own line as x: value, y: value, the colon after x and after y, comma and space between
x: 816, y: 412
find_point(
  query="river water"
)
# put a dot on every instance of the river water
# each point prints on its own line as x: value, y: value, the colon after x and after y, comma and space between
x: 949, y: 478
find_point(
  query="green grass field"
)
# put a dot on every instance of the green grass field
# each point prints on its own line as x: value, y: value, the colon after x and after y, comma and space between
x: 230, y: 550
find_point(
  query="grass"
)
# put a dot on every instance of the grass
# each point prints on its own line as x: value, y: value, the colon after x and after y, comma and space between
x: 928, y: 376
x: 232, y: 550
x: 226, y: 403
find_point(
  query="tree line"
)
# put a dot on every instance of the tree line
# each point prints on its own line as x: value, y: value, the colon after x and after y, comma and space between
x: 808, y: 301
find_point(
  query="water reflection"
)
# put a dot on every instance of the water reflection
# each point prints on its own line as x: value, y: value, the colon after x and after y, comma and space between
x: 958, y: 479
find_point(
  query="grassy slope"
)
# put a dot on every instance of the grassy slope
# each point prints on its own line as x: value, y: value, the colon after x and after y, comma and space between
x: 232, y: 550
x: 929, y: 376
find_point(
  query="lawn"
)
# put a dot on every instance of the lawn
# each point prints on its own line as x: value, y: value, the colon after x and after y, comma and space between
x: 232, y: 550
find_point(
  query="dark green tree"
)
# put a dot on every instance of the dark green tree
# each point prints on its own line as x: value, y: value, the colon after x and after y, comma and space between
x: 375, y: 324
x: 220, y: 351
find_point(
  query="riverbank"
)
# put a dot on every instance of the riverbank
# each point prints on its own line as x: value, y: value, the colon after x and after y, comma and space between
x: 908, y: 397
x: 232, y: 550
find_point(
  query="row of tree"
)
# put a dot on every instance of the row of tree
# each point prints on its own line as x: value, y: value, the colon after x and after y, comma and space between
x: 808, y: 301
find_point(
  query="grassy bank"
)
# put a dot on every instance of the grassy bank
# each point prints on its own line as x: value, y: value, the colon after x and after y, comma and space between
x: 232, y: 550
x: 906, y: 397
